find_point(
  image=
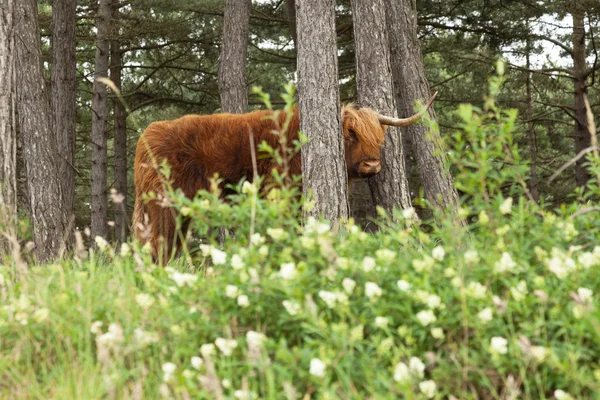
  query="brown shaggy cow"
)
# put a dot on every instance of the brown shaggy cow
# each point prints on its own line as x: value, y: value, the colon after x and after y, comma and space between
x: 198, y: 146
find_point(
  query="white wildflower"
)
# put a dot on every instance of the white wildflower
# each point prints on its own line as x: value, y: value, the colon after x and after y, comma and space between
x: 456, y: 282
x: 328, y: 297
x: 197, y: 362
x: 276, y: 233
x: 409, y: 213
x: 317, y: 367
x: 114, y: 335
x: 426, y: 317
x: 449, y: 272
x: 506, y: 206
x: 562, y: 395
x: 236, y: 262
x: 243, y: 301
x: 342, y: 263
x: 434, y: 301
x: 401, y: 373
x: 206, y: 249
x: 428, y: 388
x: 218, y: 257
x: 101, y: 242
x: 506, y: 264
x: 144, y: 337
x: 424, y: 265
x: 226, y: 345
x: 232, y: 291
x: 184, y: 279
x: 471, y: 257
x: 349, y: 285
x: 518, y: 292
x: 438, y: 253
x: 207, y: 349
x: 255, y: 339
x: 381, y: 322
x: 372, y: 290
x: 585, y: 294
x: 475, y: 290
x: 249, y: 188
x: 96, y: 327
x: 288, y: 271
x: 539, y: 353
x: 416, y: 367
x: 144, y: 300
x: 368, y: 264
x: 499, y: 345
x: 291, y: 307
x: 403, y: 285
x: 168, y: 370
x: 385, y: 255
x: 125, y: 250
x: 437, y: 333
x: 485, y: 315
x: 40, y: 315
x: 256, y: 239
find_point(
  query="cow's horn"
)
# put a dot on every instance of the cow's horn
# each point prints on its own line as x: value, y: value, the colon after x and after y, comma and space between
x: 385, y: 120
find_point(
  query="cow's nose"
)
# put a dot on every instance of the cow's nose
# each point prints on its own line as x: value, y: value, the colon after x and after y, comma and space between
x: 373, y: 164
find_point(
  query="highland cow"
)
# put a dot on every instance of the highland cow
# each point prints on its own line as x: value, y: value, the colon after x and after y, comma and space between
x: 196, y: 147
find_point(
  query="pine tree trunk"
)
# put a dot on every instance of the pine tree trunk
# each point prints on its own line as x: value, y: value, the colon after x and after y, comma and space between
x: 533, y: 182
x: 323, y: 166
x: 233, y: 85
x: 375, y: 89
x: 39, y: 146
x: 64, y: 86
x: 99, y: 116
x: 290, y: 11
x: 8, y: 135
x: 120, y: 133
x: 582, y: 133
x: 411, y: 85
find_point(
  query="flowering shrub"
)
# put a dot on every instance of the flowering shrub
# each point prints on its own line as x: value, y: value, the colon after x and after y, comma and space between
x: 504, y: 308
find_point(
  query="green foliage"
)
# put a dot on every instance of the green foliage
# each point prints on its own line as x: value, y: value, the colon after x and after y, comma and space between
x: 507, y: 307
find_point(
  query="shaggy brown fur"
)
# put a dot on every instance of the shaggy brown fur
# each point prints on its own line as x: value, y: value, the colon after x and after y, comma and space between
x: 198, y: 146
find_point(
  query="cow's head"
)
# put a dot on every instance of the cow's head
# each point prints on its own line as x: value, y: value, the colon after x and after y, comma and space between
x: 364, y: 134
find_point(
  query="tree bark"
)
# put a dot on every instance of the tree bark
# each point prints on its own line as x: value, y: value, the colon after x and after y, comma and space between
x: 533, y: 182
x: 233, y: 86
x: 323, y: 165
x: 64, y: 86
x: 39, y: 147
x: 290, y: 11
x: 8, y: 134
x: 99, y: 116
x: 120, y: 134
x: 582, y: 133
x: 411, y: 85
x: 375, y: 89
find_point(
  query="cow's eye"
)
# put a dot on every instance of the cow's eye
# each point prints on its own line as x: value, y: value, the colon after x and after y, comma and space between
x: 352, y: 134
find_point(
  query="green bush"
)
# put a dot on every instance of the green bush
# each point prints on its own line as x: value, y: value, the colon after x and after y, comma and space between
x: 504, y: 308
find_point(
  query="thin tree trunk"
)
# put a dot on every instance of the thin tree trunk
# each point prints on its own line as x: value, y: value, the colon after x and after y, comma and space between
x: 120, y: 133
x: 8, y: 134
x: 99, y: 116
x: 233, y: 85
x: 39, y: 147
x: 375, y: 89
x: 411, y: 85
x: 290, y: 11
x: 323, y: 166
x: 533, y: 182
x: 64, y: 86
x: 582, y: 133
